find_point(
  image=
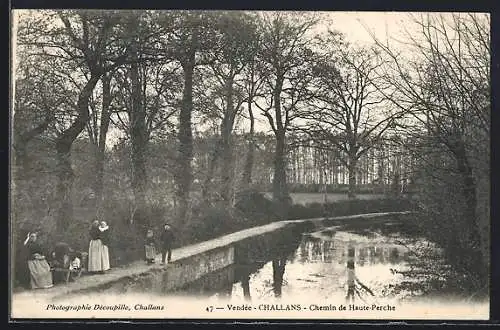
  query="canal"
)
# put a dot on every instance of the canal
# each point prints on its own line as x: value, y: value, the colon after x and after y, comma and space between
x: 383, y: 261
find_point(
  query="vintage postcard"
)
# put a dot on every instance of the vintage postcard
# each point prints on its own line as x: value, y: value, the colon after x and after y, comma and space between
x: 180, y: 164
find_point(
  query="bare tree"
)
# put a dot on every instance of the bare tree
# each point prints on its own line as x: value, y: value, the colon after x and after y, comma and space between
x: 189, y: 37
x: 444, y: 90
x: 347, y: 108
x: 232, y: 53
x: 156, y: 88
x: 97, y: 129
x: 89, y: 40
x: 284, y: 54
x: 253, y: 83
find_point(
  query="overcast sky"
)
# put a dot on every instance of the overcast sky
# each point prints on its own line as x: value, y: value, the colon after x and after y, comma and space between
x: 354, y: 24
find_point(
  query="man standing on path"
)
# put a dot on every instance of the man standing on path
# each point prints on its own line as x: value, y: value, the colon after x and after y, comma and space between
x: 167, y: 238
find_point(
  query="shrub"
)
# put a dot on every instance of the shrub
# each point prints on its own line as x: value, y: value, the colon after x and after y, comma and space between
x: 211, y: 220
x: 255, y: 206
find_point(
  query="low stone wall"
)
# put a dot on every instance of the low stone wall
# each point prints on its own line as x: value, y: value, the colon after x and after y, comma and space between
x: 175, y: 275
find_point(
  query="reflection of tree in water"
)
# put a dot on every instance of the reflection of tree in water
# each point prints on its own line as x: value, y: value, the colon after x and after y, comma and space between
x: 313, y: 249
x: 228, y: 290
x: 284, y: 250
x: 362, y: 256
x: 354, y: 285
x: 328, y: 251
x: 278, y: 271
x: 316, y: 249
x: 379, y: 255
x: 269, y: 286
x: 370, y: 257
x: 243, y: 275
x: 382, y: 254
x: 394, y: 256
x: 245, y: 284
x: 320, y: 249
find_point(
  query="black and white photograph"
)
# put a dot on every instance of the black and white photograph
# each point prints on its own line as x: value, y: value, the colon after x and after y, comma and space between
x: 249, y: 164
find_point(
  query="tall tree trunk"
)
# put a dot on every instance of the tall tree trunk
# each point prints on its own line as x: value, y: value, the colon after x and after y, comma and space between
x: 184, y: 175
x: 64, y: 210
x: 247, y: 170
x: 325, y: 181
x: 138, y: 137
x: 280, y: 191
x: 212, y: 166
x: 227, y: 152
x: 352, y: 168
x: 101, y: 145
x: 380, y: 170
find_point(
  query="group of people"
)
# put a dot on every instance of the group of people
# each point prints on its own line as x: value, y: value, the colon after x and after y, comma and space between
x: 41, y: 270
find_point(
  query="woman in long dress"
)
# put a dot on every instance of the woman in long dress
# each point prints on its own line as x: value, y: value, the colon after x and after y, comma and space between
x: 40, y: 273
x: 104, y: 229
x: 95, y: 249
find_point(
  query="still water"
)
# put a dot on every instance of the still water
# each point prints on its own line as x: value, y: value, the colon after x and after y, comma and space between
x: 315, y: 265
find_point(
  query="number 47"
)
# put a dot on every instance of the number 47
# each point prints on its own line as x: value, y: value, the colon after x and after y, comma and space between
x: 210, y: 308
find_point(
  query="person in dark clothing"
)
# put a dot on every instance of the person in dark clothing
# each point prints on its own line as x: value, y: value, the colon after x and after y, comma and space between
x: 61, y: 255
x: 166, y: 238
x: 60, y: 258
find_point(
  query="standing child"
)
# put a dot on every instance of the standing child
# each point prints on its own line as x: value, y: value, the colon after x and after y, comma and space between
x: 149, y: 246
